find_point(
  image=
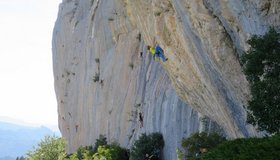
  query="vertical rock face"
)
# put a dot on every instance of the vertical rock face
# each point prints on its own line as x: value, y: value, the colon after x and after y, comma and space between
x: 104, y: 77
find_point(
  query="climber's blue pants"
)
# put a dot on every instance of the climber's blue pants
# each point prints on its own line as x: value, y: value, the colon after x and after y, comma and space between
x: 160, y: 53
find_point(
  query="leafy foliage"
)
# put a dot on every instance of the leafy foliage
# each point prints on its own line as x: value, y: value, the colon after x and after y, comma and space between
x: 246, y: 149
x: 51, y: 147
x: 147, y: 147
x: 180, y: 154
x: 85, y: 152
x: 200, y: 143
x: 261, y: 66
x: 96, y: 77
x: 111, y: 152
x: 101, y: 150
x: 101, y: 141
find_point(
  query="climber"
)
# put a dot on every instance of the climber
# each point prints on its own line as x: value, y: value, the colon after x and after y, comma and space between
x: 157, y: 52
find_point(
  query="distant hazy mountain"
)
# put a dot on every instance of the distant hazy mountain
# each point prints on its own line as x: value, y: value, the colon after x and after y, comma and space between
x: 7, y: 158
x: 16, y: 140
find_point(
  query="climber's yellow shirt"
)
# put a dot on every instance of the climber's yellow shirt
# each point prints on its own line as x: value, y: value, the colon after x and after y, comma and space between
x: 152, y: 50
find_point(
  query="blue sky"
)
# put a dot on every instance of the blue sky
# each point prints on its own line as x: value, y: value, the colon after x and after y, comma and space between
x: 26, y: 82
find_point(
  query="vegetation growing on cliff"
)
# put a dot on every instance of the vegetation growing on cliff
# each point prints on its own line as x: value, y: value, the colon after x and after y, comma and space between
x: 201, y: 146
x: 111, y: 152
x: 147, y: 147
x: 245, y: 149
x: 261, y: 66
x: 200, y: 143
x: 100, y: 150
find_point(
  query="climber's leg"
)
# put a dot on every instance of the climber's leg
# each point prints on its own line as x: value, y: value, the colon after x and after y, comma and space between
x: 161, y: 55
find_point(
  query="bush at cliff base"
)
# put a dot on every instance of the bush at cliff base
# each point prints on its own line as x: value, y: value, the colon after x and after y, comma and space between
x: 101, y: 150
x: 87, y: 152
x: 111, y: 152
x: 147, y: 147
x: 261, y: 66
x: 246, y: 149
x: 101, y: 141
x: 84, y: 152
x: 106, y: 152
x: 199, y: 143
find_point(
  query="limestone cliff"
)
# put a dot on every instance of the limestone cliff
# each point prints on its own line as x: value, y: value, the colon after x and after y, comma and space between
x: 105, y: 78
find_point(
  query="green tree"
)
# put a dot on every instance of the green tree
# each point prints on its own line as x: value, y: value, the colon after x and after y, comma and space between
x: 101, y: 150
x: 200, y: 143
x: 84, y: 152
x: 50, y: 147
x: 267, y: 148
x: 87, y: 152
x: 261, y: 66
x: 111, y: 152
x: 147, y: 147
x: 101, y: 141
